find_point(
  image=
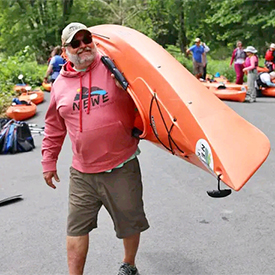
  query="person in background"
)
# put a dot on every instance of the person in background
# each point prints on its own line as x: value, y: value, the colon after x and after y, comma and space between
x: 250, y: 67
x: 197, y: 51
x: 204, y: 60
x: 264, y: 79
x: 55, y: 64
x: 238, y: 57
x: 98, y: 116
x: 270, y: 57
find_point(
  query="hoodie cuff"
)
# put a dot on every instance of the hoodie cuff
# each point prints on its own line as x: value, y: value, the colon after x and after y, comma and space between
x: 48, y: 166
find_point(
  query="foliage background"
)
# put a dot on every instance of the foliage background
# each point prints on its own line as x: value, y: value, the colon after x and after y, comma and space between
x: 29, y: 29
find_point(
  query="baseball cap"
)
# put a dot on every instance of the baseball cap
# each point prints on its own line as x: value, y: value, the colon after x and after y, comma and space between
x: 272, y: 45
x: 70, y: 30
x: 197, y: 40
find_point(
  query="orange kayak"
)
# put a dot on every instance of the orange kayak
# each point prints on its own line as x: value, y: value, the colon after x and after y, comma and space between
x: 21, y: 88
x: 270, y: 91
x: 222, y: 79
x: 35, y: 96
x: 228, y: 91
x: 21, y: 111
x: 262, y: 69
x: 47, y: 86
x: 176, y: 111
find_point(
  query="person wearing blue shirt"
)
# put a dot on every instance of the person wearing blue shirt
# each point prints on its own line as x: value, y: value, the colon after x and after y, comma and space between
x: 55, y: 64
x: 198, y: 52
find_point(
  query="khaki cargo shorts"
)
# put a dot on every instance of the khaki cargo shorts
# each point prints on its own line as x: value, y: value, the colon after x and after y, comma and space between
x: 198, y: 68
x: 120, y: 191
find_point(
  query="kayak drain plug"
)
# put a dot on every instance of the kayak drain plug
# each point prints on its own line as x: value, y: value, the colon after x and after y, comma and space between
x: 219, y: 193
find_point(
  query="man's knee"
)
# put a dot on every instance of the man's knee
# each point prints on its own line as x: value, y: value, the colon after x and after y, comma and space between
x: 78, y: 245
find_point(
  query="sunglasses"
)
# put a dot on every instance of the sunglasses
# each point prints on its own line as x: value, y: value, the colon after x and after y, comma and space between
x: 87, y: 39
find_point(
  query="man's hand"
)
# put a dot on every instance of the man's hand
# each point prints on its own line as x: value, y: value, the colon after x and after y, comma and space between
x: 117, y: 83
x: 48, y: 176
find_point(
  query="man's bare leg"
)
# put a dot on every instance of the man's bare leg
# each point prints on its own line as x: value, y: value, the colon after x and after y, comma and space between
x: 131, y: 244
x: 77, y: 249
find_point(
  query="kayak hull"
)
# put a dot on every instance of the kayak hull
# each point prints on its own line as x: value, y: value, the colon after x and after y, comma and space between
x: 227, y: 91
x: 270, y: 91
x: 177, y: 112
x: 21, y: 111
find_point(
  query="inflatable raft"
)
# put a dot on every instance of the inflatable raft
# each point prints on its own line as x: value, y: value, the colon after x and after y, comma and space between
x: 21, y: 111
x: 227, y: 91
x: 36, y: 96
x: 178, y: 113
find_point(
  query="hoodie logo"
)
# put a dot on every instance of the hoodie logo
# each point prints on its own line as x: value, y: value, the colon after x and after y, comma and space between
x: 98, y: 96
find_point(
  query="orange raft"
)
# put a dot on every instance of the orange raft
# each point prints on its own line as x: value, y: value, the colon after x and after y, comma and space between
x: 36, y: 96
x: 227, y: 91
x: 21, y: 111
x: 177, y: 111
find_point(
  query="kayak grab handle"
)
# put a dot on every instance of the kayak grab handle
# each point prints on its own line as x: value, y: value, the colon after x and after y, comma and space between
x: 219, y: 193
x: 118, y: 75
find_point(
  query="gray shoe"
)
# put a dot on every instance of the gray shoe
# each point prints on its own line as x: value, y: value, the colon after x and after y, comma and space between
x: 249, y: 99
x: 127, y: 269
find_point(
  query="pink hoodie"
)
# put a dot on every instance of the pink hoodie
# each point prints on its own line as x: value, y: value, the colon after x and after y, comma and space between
x: 99, y: 125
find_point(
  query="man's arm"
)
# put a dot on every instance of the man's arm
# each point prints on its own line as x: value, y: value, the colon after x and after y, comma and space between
x: 189, y: 50
x: 270, y: 84
x: 55, y: 132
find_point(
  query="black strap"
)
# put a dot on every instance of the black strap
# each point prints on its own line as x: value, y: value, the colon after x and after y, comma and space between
x: 114, y: 70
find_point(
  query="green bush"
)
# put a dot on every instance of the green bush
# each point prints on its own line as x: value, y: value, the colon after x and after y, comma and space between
x: 176, y: 52
x: 24, y: 63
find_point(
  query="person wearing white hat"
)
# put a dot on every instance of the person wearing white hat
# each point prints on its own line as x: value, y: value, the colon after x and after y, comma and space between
x: 251, y: 64
x: 198, y: 52
x: 98, y: 116
x: 270, y: 57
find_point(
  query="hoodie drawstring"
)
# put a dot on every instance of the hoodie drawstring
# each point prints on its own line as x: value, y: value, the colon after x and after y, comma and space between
x: 90, y: 90
x: 80, y: 105
x: 80, y: 99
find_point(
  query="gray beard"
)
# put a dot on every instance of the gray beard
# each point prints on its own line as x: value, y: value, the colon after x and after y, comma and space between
x: 77, y: 61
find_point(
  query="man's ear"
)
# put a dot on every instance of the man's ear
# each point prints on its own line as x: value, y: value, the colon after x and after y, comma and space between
x: 64, y: 55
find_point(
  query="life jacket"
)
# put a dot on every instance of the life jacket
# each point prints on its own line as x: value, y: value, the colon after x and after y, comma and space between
x: 247, y: 62
x: 259, y: 81
x: 269, y: 55
x: 239, y: 54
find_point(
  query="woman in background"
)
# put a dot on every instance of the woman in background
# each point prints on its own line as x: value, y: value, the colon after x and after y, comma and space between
x: 238, y: 56
x: 55, y: 64
x: 251, y: 64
